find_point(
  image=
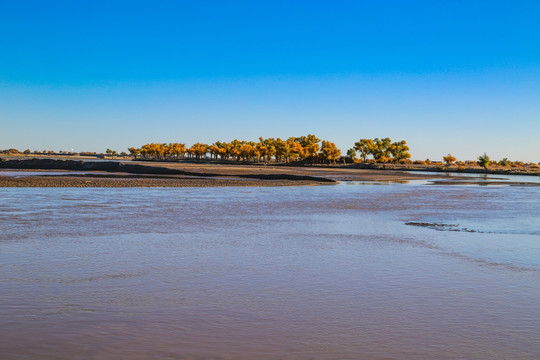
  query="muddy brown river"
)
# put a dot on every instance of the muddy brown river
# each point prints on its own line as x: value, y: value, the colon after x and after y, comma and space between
x: 351, y: 271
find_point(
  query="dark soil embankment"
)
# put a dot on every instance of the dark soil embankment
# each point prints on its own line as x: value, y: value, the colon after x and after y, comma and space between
x: 119, y: 167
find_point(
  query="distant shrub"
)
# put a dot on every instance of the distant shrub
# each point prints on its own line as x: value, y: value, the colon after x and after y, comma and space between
x: 483, y: 161
x: 11, y: 152
x: 351, y: 153
x: 517, y: 164
x: 505, y: 162
x: 449, y: 159
x: 419, y: 162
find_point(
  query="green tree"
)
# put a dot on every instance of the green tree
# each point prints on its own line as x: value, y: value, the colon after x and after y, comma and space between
x: 483, y: 161
x: 505, y: 162
x: 352, y: 154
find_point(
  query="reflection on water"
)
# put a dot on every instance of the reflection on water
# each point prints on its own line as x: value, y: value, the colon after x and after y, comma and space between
x: 263, y: 273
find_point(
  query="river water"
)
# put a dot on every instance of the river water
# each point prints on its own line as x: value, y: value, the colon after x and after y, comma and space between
x: 321, y: 272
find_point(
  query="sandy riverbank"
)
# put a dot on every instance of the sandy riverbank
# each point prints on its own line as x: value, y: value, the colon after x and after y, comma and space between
x: 168, y: 174
x: 130, y: 181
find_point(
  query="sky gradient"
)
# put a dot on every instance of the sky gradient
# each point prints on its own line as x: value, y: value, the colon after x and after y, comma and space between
x: 456, y: 77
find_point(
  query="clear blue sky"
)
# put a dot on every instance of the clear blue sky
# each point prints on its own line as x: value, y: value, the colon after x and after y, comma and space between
x: 460, y: 77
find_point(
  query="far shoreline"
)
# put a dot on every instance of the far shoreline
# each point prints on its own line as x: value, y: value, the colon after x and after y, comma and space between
x: 103, y: 173
x: 434, y: 167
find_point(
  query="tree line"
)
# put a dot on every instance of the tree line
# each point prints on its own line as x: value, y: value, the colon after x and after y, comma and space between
x: 307, y: 148
x: 304, y: 148
x: 381, y: 150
